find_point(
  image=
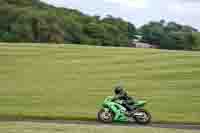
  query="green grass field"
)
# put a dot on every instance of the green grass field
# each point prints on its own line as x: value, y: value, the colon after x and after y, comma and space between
x: 71, y: 81
x: 22, y: 127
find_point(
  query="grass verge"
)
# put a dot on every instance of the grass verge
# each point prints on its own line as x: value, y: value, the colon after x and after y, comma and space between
x: 70, y: 82
x: 22, y: 127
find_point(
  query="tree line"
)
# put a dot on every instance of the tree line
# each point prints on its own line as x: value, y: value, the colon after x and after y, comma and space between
x: 35, y: 21
x: 169, y: 35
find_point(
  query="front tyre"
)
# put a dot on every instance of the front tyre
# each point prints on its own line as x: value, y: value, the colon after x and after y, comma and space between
x: 105, y: 116
x: 142, y: 117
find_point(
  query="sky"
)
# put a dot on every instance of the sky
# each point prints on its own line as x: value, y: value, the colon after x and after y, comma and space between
x: 138, y: 12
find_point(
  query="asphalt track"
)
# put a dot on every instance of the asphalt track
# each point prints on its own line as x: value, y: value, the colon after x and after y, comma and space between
x: 96, y: 123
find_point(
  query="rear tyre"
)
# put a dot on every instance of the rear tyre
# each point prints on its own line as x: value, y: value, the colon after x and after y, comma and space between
x: 142, y: 117
x: 105, y: 116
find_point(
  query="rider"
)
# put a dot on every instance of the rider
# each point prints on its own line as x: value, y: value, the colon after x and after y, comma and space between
x: 127, y: 101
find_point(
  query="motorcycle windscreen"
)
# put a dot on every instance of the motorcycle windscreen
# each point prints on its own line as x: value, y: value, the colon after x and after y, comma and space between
x: 140, y: 103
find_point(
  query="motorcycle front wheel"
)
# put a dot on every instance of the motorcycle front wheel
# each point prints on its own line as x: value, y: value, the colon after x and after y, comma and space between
x: 142, y: 116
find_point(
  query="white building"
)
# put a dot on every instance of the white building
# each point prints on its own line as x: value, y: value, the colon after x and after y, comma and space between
x: 138, y: 44
x: 143, y: 45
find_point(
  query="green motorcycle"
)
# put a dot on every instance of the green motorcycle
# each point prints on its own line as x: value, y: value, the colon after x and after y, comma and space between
x: 113, y: 111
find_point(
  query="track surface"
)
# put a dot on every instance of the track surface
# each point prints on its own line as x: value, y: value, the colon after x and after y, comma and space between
x: 96, y: 123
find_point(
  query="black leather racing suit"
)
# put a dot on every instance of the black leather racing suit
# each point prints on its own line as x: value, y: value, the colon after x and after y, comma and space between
x: 128, y: 102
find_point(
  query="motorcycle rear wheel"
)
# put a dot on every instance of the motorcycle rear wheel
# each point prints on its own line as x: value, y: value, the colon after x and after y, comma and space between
x: 105, y: 116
